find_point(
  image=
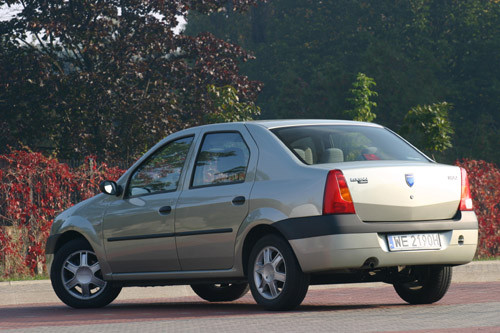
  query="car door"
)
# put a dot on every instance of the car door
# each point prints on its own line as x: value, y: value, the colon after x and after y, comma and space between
x: 215, y: 202
x: 139, y: 230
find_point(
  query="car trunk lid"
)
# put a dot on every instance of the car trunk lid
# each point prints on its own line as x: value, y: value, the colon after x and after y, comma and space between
x: 404, y: 192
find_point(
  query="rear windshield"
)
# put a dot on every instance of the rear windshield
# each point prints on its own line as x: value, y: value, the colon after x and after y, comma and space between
x: 345, y: 143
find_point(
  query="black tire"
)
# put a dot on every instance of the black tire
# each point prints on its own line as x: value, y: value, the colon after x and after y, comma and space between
x: 77, y: 279
x: 274, y: 274
x: 426, y: 285
x: 223, y: 292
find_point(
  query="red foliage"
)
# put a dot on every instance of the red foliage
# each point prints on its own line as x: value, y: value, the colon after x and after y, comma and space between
x: 33, y: 190
x: 484, y: 181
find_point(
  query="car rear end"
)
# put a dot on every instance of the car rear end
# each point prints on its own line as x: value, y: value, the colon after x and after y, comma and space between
x: 385, y: 204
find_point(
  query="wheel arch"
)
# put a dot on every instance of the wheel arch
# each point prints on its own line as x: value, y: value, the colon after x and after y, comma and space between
x: 56, y: 242
x: 67, y: 237
x: 252, y: 237
x: 77, y: 227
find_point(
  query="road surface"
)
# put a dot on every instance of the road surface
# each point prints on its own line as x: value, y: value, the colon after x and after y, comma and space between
x: 467, y: 307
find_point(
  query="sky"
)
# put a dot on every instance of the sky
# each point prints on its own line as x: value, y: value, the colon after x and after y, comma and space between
x: 7, y: 13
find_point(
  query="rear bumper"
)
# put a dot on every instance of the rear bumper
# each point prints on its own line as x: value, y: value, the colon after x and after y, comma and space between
x: 324, y: 243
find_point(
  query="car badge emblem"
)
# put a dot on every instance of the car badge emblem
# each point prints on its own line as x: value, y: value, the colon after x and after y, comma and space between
x: 410, y: 179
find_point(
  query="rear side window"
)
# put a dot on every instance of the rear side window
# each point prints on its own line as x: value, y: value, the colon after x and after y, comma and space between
x: 222, y: 159
x: 346, y: 143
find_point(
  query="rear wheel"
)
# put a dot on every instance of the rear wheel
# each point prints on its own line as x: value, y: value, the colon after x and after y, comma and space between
x: 275, y: 277
x: 425, y: 284
x: 223, y: 292
x: 77, y: 278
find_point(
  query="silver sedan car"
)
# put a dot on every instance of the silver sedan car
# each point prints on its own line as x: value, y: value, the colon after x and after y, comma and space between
x: 270, y: 206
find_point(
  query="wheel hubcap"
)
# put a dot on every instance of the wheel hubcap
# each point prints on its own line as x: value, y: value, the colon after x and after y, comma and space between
x: 270, y: 272
x: 81, y: 275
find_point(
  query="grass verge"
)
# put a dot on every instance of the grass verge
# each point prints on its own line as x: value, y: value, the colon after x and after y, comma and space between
x: 25, y: 278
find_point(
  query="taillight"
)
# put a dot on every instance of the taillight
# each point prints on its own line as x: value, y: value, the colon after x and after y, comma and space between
x: 337, y: 198
x: 465, y: 198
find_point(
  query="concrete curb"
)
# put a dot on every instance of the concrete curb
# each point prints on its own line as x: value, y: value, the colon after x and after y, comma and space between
x: 40, y: 291
x: 477, y: 271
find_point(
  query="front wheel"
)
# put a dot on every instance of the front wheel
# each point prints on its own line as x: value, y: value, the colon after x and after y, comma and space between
x: 275, y: 277
x: 425, y: 284
x: 77, y: 279
x: 223, y: 292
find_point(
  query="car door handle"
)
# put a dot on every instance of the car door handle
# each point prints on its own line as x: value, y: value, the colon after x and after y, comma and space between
x: 238, y: 201
x: 165, y: 210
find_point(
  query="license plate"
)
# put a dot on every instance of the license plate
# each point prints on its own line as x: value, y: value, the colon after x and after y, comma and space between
x: 414, y: 242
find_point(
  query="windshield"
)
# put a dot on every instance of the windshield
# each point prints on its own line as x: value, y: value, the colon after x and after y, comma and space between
x: 346, y: 143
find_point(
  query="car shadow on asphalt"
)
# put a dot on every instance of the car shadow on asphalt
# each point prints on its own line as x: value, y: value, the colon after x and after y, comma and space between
x: 140, y: 311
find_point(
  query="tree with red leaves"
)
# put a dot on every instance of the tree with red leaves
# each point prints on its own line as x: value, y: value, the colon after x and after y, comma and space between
x: 110, y: 77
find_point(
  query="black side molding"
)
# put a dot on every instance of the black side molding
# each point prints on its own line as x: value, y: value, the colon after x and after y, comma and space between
x: 172, y: 234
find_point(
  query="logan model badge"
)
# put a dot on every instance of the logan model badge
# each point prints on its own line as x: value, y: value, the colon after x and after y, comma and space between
x: 361, y: 180
x: 410, y: 179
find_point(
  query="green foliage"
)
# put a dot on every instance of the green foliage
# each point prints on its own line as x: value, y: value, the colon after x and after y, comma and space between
x: 361, y: 94
x: 418, y: 52
x: 434, y: 130
x: 227, y: 107
x: 109, y: 77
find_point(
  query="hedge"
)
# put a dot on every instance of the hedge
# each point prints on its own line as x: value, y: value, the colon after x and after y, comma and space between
x: 484, y: 179
x: 35, y: 188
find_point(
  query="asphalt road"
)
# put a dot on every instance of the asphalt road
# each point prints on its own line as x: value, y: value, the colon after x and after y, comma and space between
x: 467, y: 307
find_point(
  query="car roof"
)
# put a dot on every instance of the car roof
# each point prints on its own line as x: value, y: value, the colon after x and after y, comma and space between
x: 270, y: 124
x: 277, y: 123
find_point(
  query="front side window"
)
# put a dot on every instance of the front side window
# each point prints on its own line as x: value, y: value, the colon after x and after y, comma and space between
x: 222, y: 159
x: 161, y: 171
x: 346, y: 143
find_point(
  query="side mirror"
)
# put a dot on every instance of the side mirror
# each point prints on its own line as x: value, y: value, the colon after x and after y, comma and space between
x: 110, y: 187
